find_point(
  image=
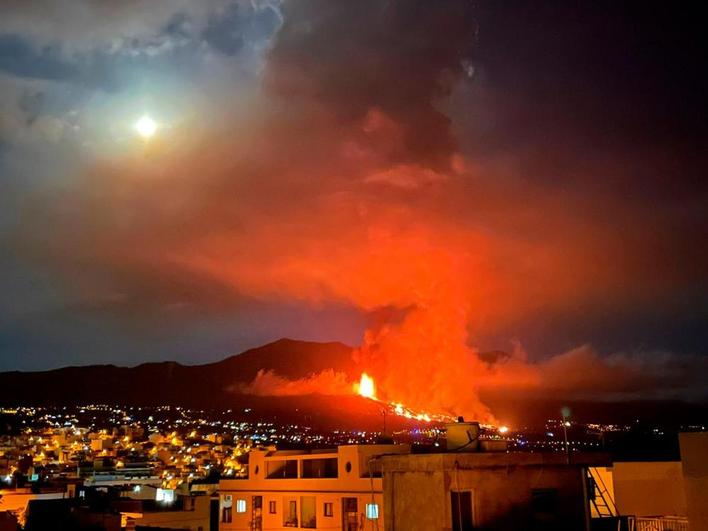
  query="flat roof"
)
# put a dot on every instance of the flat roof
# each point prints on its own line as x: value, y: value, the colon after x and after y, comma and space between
x: 451, y: 460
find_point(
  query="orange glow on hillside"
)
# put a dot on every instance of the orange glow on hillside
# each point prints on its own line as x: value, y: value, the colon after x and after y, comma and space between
x: 366, y: 387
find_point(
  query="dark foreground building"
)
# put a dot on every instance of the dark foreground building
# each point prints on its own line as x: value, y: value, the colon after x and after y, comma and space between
x: 488, y: 491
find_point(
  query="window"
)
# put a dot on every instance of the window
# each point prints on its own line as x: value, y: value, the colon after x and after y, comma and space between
x: 461, y: 506
x: 286, y: 469
x: 544, y: 500
x: 319, y: 468
x: 372, y: 511
x: 329, y: 509
x: 308, y: 512
x: 165, y: 495
x: 544, y: 506
x: 226, y: 501
x: 240, y: 506
x: 290, y: 513
x: 272, y: 507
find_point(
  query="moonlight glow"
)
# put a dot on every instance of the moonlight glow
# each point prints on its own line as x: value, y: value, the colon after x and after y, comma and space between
x: 145, y: 126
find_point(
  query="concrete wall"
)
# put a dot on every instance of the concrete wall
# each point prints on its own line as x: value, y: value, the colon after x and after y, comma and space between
x: 193, y: 520
x: 415, y: 500
x: 417, y: 492
x: 694, y: 460
x: 649, y: 488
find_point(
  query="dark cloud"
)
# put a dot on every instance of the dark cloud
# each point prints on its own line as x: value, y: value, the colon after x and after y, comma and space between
x: 240, y: 25
x: 395, y: 58
x: 122, y: 55
x: 84, y: 25
x: 18, y: 57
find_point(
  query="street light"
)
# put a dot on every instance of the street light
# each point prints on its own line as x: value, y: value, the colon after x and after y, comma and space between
x: 565, y: 412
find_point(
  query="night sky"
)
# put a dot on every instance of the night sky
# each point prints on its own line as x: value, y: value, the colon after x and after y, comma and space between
x: 527, y: 177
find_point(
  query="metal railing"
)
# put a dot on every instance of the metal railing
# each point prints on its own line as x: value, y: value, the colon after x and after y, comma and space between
x: 665, y: 523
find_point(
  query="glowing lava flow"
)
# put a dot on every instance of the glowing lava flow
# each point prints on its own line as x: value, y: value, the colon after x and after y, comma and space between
x: 366, y: 388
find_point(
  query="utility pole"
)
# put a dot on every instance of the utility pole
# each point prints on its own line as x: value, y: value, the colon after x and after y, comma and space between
x: 565, y: 413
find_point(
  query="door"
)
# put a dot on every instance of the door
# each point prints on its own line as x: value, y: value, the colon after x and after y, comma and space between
x: 257, y: 513
x: 350, y: 514
x: 461, y: 510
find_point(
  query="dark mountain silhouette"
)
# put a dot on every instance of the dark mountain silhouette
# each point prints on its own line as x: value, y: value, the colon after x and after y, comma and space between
x: 205, y: 386
x: 215, y: 386
x: 168, y: 382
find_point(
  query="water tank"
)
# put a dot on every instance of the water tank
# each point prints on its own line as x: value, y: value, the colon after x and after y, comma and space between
x: 462, y: 436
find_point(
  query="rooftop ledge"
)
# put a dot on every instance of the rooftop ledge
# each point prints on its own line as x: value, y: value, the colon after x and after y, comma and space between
x: 464, y: 460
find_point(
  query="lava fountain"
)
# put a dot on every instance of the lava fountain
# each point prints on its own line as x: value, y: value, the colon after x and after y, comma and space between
x: 365, y: 387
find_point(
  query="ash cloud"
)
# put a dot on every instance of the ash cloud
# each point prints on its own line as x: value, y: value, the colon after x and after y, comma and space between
x: 380, y: 64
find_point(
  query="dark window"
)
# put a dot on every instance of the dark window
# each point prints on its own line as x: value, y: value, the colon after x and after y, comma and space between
x: 329, y: 509
x: 544, y: 500
x: 282, y: 469
x: 271, y: 507
x: 257, y: 502
x: 461, y: 505
x: 319, y: 468
x: 351, y: 505
x: 544, y: 507
x: 226, y: 515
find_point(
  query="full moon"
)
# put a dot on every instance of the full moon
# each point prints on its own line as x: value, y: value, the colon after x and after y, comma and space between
x: 145, y: 126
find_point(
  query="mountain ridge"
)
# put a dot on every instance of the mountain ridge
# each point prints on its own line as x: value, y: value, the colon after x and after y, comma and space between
x: 216, y: 385
x: 157, y: 383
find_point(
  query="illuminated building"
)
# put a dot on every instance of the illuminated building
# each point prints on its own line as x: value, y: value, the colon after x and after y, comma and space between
x: 663, y: 494
x: 320, y: 489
